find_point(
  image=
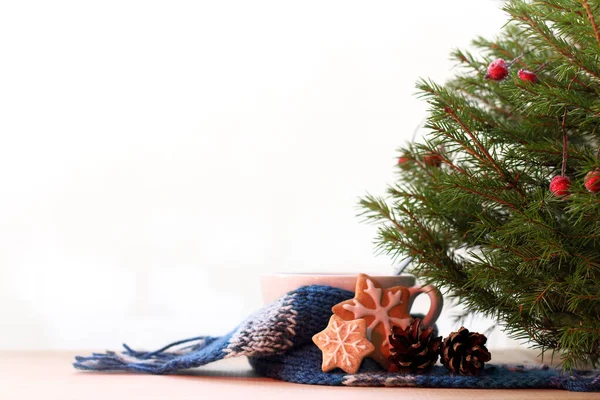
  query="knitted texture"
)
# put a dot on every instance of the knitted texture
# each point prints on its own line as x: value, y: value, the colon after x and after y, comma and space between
x: 277, y: 342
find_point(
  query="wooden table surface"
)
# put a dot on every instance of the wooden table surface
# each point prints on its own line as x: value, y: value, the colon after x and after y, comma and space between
x: 49, y: 375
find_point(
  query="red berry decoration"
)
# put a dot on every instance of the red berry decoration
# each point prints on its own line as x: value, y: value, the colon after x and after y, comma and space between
x: 560, y: 185
x: 404, y: 161
x: 497, y: 70
x: 528, y: 76
x: 432, y: 160
x: 592, y: 181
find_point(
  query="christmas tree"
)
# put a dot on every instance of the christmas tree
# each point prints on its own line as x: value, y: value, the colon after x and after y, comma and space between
x: 498, y: 205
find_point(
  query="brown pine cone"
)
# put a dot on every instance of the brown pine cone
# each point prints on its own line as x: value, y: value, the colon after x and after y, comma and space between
x: 413, y: 350
x: 464, y: 352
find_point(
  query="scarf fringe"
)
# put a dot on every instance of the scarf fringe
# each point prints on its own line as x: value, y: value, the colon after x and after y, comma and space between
x: 141, y: 361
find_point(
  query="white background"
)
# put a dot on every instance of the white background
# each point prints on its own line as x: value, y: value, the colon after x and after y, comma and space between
x: 157, y: 156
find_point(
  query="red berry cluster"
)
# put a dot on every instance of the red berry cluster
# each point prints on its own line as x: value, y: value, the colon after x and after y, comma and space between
x: 430, y: 159
x: 528, y: 76
x: 561, y: 185
x: 498, y: 70
x: 404, y: 161
x: 592, y: 181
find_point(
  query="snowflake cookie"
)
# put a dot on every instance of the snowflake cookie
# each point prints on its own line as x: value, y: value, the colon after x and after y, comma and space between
x: 344, y: 344
x: 381, y: 309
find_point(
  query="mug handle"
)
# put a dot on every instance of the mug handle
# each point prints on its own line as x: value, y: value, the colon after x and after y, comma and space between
x: 435, y: 297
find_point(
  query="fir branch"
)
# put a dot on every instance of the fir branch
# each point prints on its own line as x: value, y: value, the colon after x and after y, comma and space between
x: 482, y: 149
x: 590, y: 16
x: 485, y: 101
x: 558, y: 7
x: 542, y: 66
x: 448, y: 162
x: 552, y: 41
x: 423, y: 167
x: 463, y: 144
x: 487, y: 196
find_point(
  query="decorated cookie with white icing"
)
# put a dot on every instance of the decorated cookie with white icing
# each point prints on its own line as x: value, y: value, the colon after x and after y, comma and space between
x: 381, y: 309
x: 344, y: 344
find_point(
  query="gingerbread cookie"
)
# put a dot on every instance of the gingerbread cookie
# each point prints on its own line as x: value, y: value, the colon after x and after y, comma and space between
x: 381, y: 309
x: 344, y: 344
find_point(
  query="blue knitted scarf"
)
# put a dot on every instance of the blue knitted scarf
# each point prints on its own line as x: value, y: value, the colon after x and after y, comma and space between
x: 277, y: 341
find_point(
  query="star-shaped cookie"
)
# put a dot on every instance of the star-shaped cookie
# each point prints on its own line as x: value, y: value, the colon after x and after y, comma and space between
x: 381, y: 309
x: 344, y: 344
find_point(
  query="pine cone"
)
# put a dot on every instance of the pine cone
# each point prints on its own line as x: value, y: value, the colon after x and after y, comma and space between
x: 465, y: 353
x: 413, y: 349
